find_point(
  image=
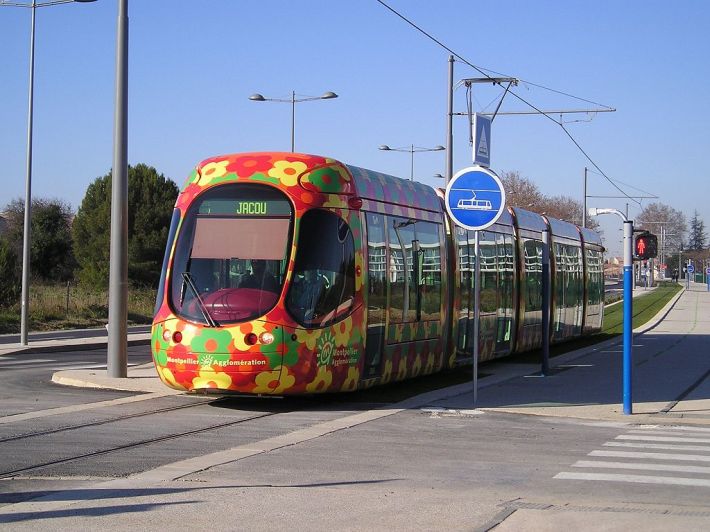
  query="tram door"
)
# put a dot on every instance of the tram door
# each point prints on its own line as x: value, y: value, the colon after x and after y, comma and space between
x: 376, y: 295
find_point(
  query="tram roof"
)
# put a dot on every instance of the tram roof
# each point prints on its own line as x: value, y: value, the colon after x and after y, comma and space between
x: 377, y: 186
x: 563, y: 229
x: 590, y: 236
x: 529, y: 220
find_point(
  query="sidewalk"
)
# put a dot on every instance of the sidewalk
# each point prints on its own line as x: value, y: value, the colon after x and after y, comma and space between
x: 671, y: 366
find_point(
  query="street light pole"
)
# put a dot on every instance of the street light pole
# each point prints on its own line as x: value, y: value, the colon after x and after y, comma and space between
x: 117, y: 357
x: 293, y: 101
x: 28, y: 191
x: 27, y: 225
x: 411, y: 149
x: 293, y: 121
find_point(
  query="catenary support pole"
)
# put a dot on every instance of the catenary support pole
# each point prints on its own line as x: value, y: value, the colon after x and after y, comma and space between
x: 117, y: 363
x: 584, y: 209
x: 545, y: 369
x: 449, y: 123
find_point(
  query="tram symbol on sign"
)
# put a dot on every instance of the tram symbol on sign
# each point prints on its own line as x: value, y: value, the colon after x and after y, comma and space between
x: 474, y: 204
x: 474, y: 198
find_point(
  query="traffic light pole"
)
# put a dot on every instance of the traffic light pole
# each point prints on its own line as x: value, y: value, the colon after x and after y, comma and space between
x: 628, y: 304
x: 628, y: 314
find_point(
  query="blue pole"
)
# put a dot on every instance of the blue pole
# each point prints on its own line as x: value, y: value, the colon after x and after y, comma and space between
x: 628, y: 314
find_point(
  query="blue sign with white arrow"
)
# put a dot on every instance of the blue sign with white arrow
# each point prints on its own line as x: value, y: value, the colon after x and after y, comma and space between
x: 475, y: 198
x: 691, y: 268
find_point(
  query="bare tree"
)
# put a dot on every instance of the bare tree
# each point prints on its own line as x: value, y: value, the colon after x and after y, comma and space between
x: 659, y: 218
x: 521, y: 192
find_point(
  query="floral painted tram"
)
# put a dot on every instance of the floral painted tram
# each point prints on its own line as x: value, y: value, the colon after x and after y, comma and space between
x: 290, y: 273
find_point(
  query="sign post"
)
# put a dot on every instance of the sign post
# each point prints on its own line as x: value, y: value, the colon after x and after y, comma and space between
x: 474, y: 200
x: 707, y: 276
x: 690, y: 270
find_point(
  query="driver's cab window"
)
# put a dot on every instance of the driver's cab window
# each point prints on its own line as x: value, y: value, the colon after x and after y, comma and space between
x: 323, y: 284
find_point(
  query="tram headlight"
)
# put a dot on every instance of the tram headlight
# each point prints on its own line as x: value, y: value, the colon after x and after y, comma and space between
x: 266, y: 338
x: 251, y: 338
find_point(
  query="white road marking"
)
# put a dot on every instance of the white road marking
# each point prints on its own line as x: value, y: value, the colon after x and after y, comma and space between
x: 638, y: 479
x: 653, y: 456
x: 662, y: 446
x: 646, y: 467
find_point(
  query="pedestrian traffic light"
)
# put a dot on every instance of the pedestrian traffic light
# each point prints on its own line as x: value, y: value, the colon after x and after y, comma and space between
x: 646, y: 246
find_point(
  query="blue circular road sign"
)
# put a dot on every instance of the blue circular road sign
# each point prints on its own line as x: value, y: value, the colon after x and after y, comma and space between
x: 475, y: 198
x: 691, y: 268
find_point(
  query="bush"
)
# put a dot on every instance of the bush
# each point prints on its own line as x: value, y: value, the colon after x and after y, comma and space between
x: 10, y: 284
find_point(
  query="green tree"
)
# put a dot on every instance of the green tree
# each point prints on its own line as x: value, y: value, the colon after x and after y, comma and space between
x: 9, y: 275
x: 51, y: 256
x: 697, y: 237
x: 151, y: 198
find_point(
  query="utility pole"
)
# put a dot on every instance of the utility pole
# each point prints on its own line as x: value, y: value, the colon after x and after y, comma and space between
x: 584, y: 202
x: 449, y: 123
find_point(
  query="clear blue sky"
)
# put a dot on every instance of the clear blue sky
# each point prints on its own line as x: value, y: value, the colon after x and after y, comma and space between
x: 193, y: 65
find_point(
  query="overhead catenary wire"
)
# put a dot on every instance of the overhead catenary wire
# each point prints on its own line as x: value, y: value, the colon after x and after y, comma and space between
x: 482, y: 71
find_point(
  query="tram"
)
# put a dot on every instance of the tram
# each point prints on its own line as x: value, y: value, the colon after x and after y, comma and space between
x: 290, y: 273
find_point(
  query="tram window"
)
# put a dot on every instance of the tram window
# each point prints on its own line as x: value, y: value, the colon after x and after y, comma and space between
x: 533, y: 274
x: 430, y: 270
x: 323, y: 284
x: 489, y: 271
x: 376, y: 269
x: 403, y: 295
x: 230, y: 235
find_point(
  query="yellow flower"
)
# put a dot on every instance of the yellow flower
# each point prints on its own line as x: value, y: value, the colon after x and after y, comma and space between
x: 429, y: 364
x: 287, y: 172
x: 239, y: 337
x: 387, y: 373
x: 274, y: 381
x: 343, y: 330
x: 211, y: 171
x: 335, y: 201
x: 167, y: 377
x: 212, y: 379
x: 308, y: 337
x: 402, y: 369
x: 417, y: 366
x: 351, y: 380
x: 322, y: 382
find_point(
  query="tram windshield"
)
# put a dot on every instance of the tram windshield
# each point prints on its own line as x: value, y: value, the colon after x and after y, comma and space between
x: 231, y: 254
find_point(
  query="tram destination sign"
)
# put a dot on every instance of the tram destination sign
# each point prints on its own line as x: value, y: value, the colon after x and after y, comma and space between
x: 475, y: 198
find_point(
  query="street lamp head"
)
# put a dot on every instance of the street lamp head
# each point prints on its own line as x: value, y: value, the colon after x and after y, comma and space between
x: 84, y: 1
x: 439, y: 176
x: 328, y: 95
x: 438, y: 148
x: 257, y: 98
x: 384, y: 147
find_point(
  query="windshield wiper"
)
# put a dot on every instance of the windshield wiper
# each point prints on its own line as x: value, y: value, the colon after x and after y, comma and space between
x: 187, y: 278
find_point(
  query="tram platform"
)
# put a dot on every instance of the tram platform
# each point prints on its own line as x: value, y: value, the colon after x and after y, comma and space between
x: 671, y: 375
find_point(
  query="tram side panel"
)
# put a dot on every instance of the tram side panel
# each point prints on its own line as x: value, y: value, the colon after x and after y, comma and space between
x: 593, y: 281
x: 567, y: 280
x: 529, y: 227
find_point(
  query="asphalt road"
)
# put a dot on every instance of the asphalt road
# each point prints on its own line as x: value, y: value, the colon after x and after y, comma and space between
x: 396, y: 469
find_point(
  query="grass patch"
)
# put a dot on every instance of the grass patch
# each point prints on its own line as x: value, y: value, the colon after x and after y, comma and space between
x: 57, y: 306
x: 645, y: 307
